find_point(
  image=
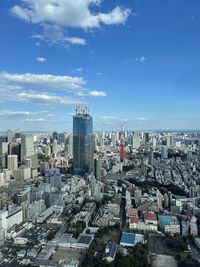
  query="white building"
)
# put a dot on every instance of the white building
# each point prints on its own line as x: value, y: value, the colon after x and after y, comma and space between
x: 27, y: 146
x: 23, y: 173
x: 136, y: 140
x: 9, y: 219
x: 12, y: 162
x: 164, y: 152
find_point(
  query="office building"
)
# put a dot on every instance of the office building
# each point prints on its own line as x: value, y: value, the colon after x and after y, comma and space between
x: 28, y: 151
x: 170, y: 141
x: 11, y: 133
x: 136, y: 140
x: 53, y: 177
x: 3, y: 154
x: 55, y: 135
x: 83, y: 141
x: 15, y: 149
x: 164, y: 152
x: 146, y: 138
x: 61, y: 138
x: 12, y: 162
x: 27, y: 146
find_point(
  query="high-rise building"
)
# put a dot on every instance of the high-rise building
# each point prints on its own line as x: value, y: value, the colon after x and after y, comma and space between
x: 15, y: 149
x: 3, y: 153
x: 47, y: 151
x: 3, y: 138
x: 27, y: 146
x: 146, y: 138
x: 151, y: 155
x: 61, y: 138
x: 97, y: 168
x: 55, y: 147
x: 170, y: 141
x: 54, y: 178
x: 136, y: 140
x: 164, y: 152
x: 55, y: 135
x: 11, y: 134
x: 69, y: 146
x: 27, y: 150
x: 12, y: 162
x: 83, y: 141
x: 114, y: 139
x: 137, y: 196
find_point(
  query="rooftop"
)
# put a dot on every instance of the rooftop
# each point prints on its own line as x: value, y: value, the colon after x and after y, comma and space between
x: 85, y: 239
x: 131, y: 239
x: 110, y: 250
x: 128, y: 238
x: 150, y: 216
x: 134, y: 220
x: 132, y: 211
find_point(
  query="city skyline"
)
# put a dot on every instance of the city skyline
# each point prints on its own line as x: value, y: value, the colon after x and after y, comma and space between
x: 134, y: 61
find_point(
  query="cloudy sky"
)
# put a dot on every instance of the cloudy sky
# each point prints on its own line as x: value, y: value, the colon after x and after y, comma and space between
x: 131, y: 60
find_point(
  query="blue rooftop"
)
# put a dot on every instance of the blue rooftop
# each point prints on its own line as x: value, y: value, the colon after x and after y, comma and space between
x: 128, y: 238
x: 164, y: 220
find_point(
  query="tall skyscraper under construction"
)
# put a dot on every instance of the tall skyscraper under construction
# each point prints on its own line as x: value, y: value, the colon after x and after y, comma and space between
x: 83, y: 140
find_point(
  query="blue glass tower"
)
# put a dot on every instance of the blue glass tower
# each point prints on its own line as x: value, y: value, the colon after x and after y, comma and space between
x: 83, y: 141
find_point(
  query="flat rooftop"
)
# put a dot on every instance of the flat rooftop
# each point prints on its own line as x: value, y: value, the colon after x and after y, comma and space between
x: 85, y: 239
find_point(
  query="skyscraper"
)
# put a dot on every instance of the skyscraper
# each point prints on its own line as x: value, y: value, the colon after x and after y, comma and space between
x: 83, y: 141
x: 3, y: 153
x: 11, y: 134
x: 12, y: 162
x: 27, y: 146
x: 28, y: 150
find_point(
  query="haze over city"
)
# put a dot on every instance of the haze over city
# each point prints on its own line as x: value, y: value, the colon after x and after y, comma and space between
x: 136, y: 61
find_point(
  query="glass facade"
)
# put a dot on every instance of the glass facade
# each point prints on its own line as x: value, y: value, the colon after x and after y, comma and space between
x: 82, y: 124
x: 83, y: 143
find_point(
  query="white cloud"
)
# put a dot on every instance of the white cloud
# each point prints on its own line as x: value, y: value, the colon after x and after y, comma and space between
x: 92, y: 93
x: 15, y: 93
x: 41, y: 59
x: 107, y: 117
x: 141, y: 59
x: 60, y: 15
x: 35, y: 88
x: 75, y: 40
x: 14, y: 113
x: 96, y: 93
x: 24, y: 113
x: 79, y: 69
x: 44, y: 80
x: 140, y: 119
x: 46, y: 99
x: 76, y: 14
x: 35, y: 120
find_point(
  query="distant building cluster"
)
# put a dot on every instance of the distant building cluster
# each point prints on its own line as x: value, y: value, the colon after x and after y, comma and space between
x: 63, y: 193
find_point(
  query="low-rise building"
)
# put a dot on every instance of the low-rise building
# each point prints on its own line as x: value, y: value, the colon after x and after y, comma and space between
x: 193, y: 226
x: 169, y: 224
x: 110, y: 251
x: 150, y: 220
x: 130, y: 239
x: 131, y: 212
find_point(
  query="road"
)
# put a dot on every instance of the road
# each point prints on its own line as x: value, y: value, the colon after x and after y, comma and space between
x: 194, y: 251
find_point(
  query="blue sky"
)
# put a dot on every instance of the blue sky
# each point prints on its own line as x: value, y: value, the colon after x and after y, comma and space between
x: 136, y: 60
